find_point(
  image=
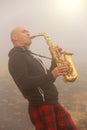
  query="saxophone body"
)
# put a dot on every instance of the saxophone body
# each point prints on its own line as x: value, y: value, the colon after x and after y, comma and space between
x: 65, y: 58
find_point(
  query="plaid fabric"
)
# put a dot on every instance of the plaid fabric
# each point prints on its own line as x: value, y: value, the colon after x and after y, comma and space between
x: 51, y: 117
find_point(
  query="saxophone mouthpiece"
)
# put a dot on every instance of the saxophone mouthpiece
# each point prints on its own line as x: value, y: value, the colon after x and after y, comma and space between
x: 32, y: 37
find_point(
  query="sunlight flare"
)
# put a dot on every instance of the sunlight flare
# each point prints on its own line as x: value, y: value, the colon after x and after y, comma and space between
x: 71, y: 6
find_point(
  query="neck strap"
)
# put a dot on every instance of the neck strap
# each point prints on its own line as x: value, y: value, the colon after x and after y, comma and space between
x: 41, y: 56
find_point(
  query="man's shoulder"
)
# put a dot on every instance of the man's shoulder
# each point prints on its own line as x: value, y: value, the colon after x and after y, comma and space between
x: 16, y: 52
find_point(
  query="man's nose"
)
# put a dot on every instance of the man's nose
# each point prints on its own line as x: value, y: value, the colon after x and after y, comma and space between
x: 28, y: 34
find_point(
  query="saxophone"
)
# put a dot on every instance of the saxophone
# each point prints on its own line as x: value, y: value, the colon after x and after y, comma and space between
x: 65, y: 58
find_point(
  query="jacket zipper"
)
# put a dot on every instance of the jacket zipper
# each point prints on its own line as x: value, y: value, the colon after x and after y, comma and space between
x: 42, y: 93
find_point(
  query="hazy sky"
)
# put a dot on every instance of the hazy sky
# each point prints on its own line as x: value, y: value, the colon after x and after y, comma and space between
x: 65, y: 21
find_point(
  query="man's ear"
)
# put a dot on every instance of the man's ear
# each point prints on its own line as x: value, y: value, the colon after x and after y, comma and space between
x: 14, y: 37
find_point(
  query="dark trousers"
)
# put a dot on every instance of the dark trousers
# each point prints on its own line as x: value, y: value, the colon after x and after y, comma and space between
x: 51, y: 117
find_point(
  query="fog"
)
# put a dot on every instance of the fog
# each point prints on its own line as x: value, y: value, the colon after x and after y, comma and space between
x: 64, y: 21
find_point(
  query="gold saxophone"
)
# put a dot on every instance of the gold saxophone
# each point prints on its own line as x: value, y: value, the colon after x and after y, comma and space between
x: 65, y: 58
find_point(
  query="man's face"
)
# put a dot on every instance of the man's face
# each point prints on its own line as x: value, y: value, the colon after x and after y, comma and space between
x: 23, y: 37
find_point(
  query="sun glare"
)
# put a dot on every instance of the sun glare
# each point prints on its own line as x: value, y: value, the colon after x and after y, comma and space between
x: 70, y: 3
x: 70, y: 6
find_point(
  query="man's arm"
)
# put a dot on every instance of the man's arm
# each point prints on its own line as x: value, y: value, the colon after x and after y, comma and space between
x: 20, y: 73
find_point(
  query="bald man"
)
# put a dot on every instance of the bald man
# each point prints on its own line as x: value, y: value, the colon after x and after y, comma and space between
x: 36, y: 83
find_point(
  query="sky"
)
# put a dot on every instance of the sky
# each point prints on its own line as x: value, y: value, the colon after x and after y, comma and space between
x: 64, y: 21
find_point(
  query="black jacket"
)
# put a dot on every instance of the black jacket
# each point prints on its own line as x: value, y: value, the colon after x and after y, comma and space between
x: 35, y: 83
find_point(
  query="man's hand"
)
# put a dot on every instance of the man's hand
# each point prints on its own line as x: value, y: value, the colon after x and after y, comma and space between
x: 58, y: 50
x: 60, y: 70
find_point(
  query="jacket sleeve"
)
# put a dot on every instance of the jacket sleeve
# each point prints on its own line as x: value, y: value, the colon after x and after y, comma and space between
x: 53, y: 64
x: 20, y: 73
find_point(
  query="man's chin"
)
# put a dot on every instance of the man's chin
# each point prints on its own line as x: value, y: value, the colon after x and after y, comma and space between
x: 28, y: 45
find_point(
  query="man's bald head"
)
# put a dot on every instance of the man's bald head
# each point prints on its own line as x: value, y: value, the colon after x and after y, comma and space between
x: 20, y: 36
x: 14, y: 33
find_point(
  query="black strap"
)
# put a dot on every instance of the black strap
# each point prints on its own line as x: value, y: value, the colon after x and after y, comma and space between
x: 42, y: 56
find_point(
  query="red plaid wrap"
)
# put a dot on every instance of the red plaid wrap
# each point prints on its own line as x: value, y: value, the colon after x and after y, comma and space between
x: 51, y: 117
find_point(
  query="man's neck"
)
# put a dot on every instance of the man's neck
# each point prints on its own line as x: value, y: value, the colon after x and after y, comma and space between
x: 27, y: 47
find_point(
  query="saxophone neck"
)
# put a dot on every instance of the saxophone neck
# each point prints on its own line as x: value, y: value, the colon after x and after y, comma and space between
x: 37, y: 35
